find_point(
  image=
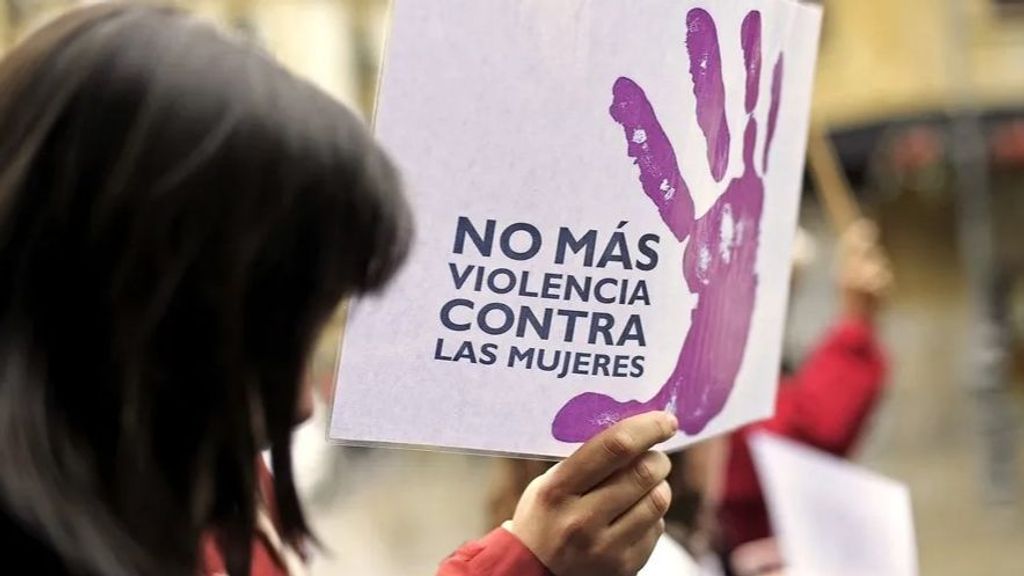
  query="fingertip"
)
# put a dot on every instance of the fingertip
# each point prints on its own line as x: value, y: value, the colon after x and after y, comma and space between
x: 662, y: 495
x: 660, y: 463
x: 672, y: 422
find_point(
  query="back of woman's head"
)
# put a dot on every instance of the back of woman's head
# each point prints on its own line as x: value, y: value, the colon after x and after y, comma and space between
x: 178, y: 218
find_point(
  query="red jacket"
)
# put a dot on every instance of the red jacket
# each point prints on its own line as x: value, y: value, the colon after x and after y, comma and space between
x: 825, y: 405
x: 498, y: 554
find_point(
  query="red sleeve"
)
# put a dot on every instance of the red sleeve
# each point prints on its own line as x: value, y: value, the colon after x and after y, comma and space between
x: 827, y: 402
x: 498, y: 554
x: 265, y: 560
x: 825, y: 405
x: 212, y: 559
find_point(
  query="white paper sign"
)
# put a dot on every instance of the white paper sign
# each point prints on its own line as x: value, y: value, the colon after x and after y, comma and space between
x: 606, y: 195
x: 831, y: 517
x: 670, y: 559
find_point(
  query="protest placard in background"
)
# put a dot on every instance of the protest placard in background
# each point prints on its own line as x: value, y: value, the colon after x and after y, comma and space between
x: 605, y: 195
x: 832, y: 517
x: 669, y: 558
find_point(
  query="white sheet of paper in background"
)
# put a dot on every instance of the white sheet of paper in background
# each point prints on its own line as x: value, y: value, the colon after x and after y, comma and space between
x: 670, y: 559
x: 832, y: 517
x: 575, y: 125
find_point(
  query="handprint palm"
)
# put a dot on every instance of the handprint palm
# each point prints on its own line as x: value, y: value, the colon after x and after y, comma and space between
x: 720, y: 260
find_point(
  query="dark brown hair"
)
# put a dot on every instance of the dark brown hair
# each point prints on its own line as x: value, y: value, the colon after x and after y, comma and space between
x: 179, y: 216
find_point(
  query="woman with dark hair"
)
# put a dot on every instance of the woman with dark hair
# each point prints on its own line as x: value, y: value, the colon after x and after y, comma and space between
x: 179, y: 216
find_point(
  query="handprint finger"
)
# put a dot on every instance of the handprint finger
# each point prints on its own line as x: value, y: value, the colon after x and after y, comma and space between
x: 650, y: 147
x: 751, y: 38
x: 773, y: 111
x: 708, y: 87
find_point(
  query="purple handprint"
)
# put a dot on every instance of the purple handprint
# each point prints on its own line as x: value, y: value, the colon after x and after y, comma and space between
x: 719, y: 261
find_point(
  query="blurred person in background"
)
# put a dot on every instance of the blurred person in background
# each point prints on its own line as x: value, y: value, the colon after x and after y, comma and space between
x: 179, y: 217
x: 825, y: 403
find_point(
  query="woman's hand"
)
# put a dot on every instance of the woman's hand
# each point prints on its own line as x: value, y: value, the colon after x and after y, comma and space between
x: 599, y: 513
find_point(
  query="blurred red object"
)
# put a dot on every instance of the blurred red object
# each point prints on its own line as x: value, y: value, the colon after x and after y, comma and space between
x: 916, y: 148
x: 1007, y: 144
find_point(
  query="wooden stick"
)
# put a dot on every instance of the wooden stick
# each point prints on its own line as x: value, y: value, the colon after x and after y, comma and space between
x: 238, y: 11
x: 6, y: 33
x: 835, y: 192
x: 830, y: 181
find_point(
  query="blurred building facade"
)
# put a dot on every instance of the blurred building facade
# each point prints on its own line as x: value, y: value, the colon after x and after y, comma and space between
x: 884, y: 59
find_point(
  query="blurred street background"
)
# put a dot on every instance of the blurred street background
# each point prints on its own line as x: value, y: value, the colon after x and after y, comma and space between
x: 923, y: 102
